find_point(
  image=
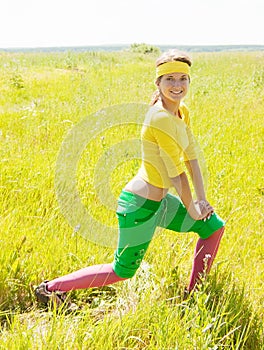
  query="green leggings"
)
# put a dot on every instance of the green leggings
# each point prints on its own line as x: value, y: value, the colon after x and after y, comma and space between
x: 138, y: 218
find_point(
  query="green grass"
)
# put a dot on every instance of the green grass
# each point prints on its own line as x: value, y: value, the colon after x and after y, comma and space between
x: 42, y: 96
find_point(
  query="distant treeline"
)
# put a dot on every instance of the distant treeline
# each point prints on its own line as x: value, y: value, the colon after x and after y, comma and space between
x: 112, y: 48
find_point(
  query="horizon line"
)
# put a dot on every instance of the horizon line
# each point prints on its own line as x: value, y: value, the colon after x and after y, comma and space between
x: 118, y: 46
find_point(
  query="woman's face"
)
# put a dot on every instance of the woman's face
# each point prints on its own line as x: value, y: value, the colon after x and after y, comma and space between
x: 174, y: 86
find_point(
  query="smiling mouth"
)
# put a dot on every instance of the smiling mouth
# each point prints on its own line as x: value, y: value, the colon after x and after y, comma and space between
x: 177, y: 92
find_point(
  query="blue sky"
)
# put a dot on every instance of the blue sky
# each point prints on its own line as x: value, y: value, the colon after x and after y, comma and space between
x: 39, y: 23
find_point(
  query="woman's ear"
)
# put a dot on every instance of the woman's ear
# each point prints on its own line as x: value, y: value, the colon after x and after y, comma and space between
x: 157, y: 81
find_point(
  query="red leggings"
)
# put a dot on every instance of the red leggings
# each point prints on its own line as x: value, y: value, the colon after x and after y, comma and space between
x: 101, y: 275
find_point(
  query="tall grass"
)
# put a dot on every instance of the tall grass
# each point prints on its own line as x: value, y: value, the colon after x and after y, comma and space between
x: 42, y: 96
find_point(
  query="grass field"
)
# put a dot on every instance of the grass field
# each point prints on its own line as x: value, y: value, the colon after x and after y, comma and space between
x: 42, y: 96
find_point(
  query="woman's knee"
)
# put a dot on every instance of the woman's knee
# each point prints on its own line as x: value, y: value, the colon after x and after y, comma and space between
x: 124, y: 272
x: 127, y: 261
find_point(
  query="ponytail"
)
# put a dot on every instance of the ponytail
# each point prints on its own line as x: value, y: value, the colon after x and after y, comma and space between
x: 155, y: 97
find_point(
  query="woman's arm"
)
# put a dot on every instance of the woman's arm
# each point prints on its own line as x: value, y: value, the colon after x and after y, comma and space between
x: 182, y: 187
x: 197, y: 180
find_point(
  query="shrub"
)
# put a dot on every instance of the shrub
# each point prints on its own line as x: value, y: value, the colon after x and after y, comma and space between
x: 145, y: 49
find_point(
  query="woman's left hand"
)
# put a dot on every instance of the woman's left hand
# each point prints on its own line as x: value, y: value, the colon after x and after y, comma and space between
x: 206, y: 209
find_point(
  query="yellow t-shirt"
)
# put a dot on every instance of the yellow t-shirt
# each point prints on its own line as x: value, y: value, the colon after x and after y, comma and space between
x: 167, y: 141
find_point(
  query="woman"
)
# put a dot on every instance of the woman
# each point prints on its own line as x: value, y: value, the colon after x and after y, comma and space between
x: 145, y: 202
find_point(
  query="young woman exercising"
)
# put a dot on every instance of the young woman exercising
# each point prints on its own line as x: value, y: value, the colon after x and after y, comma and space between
x: 145, y: 203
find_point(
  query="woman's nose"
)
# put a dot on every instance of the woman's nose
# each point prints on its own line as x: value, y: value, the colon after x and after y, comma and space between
x: 176, y: 83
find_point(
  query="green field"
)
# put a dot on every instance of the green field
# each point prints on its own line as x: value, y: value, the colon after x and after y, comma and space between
x: 42, y: 96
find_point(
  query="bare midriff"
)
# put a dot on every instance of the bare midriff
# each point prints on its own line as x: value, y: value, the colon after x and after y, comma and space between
x: 144, y: 189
